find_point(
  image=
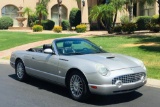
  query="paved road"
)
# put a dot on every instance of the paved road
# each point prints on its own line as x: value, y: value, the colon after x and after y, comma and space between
x: 37, y: 93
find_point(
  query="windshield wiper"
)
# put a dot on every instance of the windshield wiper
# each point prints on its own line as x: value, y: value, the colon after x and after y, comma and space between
x: 75, y: 53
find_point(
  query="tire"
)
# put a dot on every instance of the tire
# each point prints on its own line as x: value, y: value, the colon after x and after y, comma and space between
x: 20, y: 71
x: 78, y: 86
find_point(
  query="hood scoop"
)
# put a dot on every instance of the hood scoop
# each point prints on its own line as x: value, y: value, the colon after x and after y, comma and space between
x: 110, y: 57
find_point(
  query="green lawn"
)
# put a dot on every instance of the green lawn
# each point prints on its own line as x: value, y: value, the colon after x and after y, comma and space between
x: 12, y: 39
x: 149, y: 52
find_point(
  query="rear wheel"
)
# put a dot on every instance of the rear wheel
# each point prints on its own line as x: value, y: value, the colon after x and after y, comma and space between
x: 78, y: 86
x: 20, y: 71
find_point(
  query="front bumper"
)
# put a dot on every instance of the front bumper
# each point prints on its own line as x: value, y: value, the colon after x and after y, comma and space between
x: 109, y: 89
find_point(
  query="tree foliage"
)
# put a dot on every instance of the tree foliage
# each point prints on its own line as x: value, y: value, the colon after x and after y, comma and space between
x: 118, y: 6
x: 104, y: 13
x: 27, y: 11
x: 41, y: 9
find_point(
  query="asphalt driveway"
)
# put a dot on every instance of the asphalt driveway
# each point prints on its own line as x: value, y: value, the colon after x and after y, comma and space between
x: 37, y: 93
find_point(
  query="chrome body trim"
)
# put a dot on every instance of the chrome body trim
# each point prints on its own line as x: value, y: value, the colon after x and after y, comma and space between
x: 45, y: 73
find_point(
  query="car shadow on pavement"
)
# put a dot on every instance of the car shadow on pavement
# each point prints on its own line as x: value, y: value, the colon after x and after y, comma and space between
x: 113, y: 99
x: 93, y: 100
x: 44, y: 85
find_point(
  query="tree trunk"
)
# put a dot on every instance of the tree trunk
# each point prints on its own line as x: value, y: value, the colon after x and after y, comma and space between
x: 28, y: 16
x: 59, y: 14
x: 115, y: 17
x: 102, y: 23
x: 130, y: 10
x: 59, y: 11
x: 40, y: 18
x: 159, y: 13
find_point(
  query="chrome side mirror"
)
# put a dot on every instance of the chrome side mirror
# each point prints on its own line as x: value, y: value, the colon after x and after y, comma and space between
x: 49, y: 51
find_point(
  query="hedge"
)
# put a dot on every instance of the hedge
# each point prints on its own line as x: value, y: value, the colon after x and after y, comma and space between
x: 75, y: 17
x: 65, y: 24
x: 6, y: 22
x: 48, y: 24
x: 142, y: 21
x: 57, y: 29
x: 37, y: 28
x: 81, y: 28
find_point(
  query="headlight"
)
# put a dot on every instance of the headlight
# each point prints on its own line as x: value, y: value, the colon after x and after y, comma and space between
x: 142, y: 65
x: 102, y: 69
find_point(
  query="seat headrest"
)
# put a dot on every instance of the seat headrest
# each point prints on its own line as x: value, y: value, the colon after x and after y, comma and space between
x: 46, y: 46
x: 67, y: 44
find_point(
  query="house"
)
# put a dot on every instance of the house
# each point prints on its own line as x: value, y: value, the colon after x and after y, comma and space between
x: 10, y: 8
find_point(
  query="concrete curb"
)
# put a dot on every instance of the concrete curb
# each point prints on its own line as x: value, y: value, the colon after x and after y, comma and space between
x: 150, y: 82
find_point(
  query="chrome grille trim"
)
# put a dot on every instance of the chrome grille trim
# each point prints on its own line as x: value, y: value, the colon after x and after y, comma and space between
x: 130, y: 78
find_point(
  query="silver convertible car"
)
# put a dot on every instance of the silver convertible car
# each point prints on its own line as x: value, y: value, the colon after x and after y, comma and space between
x: 81, y: 66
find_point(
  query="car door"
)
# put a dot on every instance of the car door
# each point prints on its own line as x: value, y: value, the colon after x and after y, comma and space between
x: 44, y: 66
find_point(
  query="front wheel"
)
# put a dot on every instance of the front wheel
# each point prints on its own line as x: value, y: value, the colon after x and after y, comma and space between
x: 78, y: 86
x: 20, y: 71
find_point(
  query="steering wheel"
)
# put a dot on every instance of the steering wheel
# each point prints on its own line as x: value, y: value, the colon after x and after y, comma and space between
x: 85, y: 49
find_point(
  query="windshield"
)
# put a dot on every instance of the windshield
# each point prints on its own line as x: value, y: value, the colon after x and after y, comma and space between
x: 77, y: 47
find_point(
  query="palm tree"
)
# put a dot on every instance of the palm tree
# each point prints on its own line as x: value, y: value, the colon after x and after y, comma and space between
x: 159, y: 10
x: 103, y: 13
x: 27, y: 11
x: 59, y: 9
x: 44, y: 2
x: 41, y: 11
x: 131, y: 3
x: 118, y: 5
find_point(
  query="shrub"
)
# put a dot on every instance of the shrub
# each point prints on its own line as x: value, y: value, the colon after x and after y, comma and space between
x: 48, y: 24
x: 155, y: 27
x: 155, y: 19
x: 75, y: 17
x: 6, y: 22
x: 124, y: 19
x: 57, y: 29
x: 142, y: 21
x: 148, y: 26
x: 65, y: 24
x: 37, y: 28
x: 93, y: 26
x: 32, y: 19
x: 81, y: 28
x: 118, y: 29
x: 129, y: 28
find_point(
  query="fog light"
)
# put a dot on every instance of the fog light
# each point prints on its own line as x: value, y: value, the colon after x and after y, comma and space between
x: 119, y: 83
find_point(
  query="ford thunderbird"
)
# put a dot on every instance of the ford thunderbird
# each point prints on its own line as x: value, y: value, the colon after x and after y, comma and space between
x: 81, y: 66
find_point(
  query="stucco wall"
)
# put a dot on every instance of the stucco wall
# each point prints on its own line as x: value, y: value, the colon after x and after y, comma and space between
x: 69, y: 4
x: 17, y: 3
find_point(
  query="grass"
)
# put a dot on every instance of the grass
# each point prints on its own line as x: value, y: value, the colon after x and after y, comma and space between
x: 149, y: 54
x: 13, y: 39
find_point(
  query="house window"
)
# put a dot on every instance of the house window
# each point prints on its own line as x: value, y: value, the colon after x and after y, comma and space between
x: 11, y: 11
x: 146, y: 10
x: 54, y: 13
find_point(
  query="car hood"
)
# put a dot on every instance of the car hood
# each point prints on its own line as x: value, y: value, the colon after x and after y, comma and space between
x: 112, y: 61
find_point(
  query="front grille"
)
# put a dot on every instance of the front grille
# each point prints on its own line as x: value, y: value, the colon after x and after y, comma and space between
x: 130, y: 78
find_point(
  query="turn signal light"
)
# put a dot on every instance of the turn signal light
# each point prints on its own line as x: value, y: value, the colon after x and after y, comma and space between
x: 94, y: 87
